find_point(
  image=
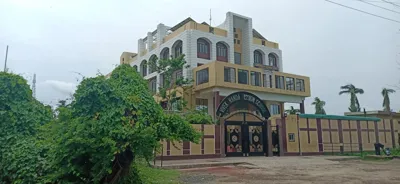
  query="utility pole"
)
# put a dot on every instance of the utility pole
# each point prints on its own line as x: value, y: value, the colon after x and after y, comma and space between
x: 5, y: 62
x: 34, y: 86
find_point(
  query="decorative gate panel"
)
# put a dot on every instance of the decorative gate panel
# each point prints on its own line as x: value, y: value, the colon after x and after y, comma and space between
x: 234, y: 139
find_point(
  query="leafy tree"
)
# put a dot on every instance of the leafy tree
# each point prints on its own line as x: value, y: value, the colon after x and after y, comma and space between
x: 353, y: 91
x: 386, y: 100
x: 22, y: 157
x: 319, y: 106
x: 108, y: 124
x: 292, y: 110
x: 173, y: 84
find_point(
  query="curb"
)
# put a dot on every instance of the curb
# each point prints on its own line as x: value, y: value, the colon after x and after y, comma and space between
x: 200, y: 165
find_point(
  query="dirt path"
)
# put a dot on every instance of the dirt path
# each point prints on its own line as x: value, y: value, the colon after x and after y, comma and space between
x: 299, y: 170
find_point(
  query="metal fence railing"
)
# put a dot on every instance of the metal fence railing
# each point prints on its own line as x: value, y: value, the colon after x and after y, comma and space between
x: 342, y: 148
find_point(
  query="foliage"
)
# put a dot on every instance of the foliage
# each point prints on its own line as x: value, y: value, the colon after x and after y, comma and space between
x: 111, y: 122
x: 353, y: 91
x: 319, y: 106
x: 292, y: 110
x: 21, y: 116
x: 174, y: 85
x: 198, y: 117
x: 95, y: 139
x: 386, y: 100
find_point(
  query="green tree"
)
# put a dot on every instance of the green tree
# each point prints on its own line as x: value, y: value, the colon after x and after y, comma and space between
x: 386, y: 100
x: 353, y: 91
x: 22, y: 157
x: 292, y: 110
x: 319, y: 106
x: 109, y: 123
x: 174, y: 86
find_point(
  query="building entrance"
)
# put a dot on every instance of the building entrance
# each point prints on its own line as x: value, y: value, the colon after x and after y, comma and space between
x: 244, y: 137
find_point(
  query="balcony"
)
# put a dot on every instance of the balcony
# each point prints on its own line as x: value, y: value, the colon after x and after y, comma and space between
x: 240, y: 77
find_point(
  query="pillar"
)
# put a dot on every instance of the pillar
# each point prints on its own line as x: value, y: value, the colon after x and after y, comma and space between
x: 269, y: 138
x: 149, y: 41
x: 302, y: 110
x: 161, y: 32
x: 141, y: 46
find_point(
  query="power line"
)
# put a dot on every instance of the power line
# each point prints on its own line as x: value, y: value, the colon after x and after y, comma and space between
x: 363, y: 11
x: 379, y: 6
x: 392, y: 3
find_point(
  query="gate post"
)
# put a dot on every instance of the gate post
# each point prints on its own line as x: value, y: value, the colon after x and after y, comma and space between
x: 222, y: 136
x: 269, y: 138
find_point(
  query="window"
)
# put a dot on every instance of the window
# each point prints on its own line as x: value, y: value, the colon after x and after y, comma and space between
x: 211, y: 30
x: 300, y: 85
x: 177, y: 77
x: 203, y: 49
x: 275, y: 109
x: 238, y: 42
x: 279, y: 81
x: 176, y: 104
x: 201, y: 104
x: 255, y: 78
x: 234, y: 29
x: 291, y: 137
x: 164, y: 81
x: 236, y: 35
x: 153, y: 85
x: 123, y: 59
x: 222, y: 52
x: 165, y: 53
x: 177, y: 48
x: 290, y: 83
x: 202, y: 76
x: 267, y: 81
x: 135, y: 67
x: 199, y: 64
x: 229, y: 74
x: 258, y: 57
x: 143, y: 68
x: 234, y: 41
x: 238, y: 58
x: 243, y: 76
x: 263, y: 42
x: 152, y: 63
x: 273, y: 61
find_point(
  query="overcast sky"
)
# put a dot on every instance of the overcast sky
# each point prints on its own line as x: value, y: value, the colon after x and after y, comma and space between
x: 332, y: 45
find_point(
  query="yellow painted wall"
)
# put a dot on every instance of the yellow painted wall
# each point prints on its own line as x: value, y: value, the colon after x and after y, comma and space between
x: 258, y: 41
x: 216, y: 79
x: 291, y: 127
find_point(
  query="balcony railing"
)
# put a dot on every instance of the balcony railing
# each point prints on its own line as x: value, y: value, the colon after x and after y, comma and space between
x: 228, y: 75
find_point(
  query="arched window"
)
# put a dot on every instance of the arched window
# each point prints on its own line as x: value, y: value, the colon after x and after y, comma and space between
x: 258, y: 57
x: 135, y: 68
x: 203, y: 49
x: 143, y: 68
x: 222, y: 52
x: 164, y: 53
x: 152, y: 63
x: 273, y: 60
x: 177, y: 48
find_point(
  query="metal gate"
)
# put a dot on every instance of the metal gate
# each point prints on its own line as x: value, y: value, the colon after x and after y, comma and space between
x: 244, y: 138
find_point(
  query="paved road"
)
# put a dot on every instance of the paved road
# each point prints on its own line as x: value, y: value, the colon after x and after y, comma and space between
x: 299, y: 170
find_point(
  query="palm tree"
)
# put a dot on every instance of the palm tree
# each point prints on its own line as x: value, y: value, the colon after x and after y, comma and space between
x: 353, y: 91
x: 292, y: 110
x: 319, y: 106
x: 386, y: 100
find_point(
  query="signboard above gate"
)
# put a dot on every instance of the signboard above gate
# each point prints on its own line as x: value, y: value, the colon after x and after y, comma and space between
x: 242, y: 97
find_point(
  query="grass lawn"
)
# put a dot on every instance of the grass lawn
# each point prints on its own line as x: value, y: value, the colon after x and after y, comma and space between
x: 151, y: 175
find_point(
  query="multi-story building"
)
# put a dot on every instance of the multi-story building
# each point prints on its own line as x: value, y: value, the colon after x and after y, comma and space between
x: 224, y: 59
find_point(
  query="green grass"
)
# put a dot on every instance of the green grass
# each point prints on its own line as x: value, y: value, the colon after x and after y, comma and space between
x: 150, y: 175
